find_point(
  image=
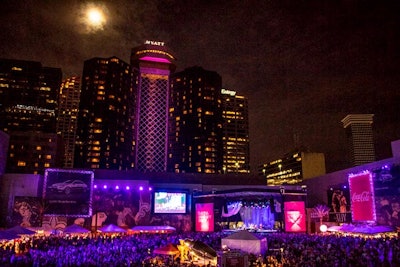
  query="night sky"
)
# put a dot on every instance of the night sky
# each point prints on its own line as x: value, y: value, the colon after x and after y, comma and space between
x: 304, y: 65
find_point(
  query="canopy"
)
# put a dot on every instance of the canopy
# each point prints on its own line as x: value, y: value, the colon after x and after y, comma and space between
x: 5, y: 235
x: 19, y: 230
x: 246, y: 242
x: 112, y: 229
x: 169, y: 249
x: 75, y: 229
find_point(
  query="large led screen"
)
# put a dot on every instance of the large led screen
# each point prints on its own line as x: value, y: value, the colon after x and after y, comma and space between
x: 68, y: 192
x: 170, y: 202
x: 204, y: 217
x: 295, y: 216
x: 362, y: 197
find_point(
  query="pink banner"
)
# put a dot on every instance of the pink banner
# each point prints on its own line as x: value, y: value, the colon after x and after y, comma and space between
x: 295, y: 216
x: 205, y: 217
x: 362, y: 197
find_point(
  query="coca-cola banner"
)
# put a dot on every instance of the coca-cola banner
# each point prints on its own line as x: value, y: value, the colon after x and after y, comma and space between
x: 362, y: 197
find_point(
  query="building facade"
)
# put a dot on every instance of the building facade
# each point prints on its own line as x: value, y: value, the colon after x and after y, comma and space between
x: 67, y: 116
x: 293, y: 168
x: 360, y: 139
x: 152, y: 66
x: 235, y: 129
x: 4, y: 141
x: 105, y: 121
x: 195, y: 139
x: 28, y: 108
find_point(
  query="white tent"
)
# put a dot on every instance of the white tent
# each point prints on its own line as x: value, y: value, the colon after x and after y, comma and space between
x: 246, y: 242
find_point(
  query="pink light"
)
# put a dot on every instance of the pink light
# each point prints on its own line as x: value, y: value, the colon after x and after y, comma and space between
x: 150, y: 188
x: 155, y: 59
x: 105, y: 186
x: 95, y: 186
x: 127, y: 187
x: 141, y: 188
x: 117, y: 187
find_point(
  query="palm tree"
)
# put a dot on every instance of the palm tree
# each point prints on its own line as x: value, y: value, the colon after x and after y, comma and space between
x: 321, y: 211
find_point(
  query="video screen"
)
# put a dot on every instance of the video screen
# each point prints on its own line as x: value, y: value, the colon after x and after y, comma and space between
x: 170, y: 202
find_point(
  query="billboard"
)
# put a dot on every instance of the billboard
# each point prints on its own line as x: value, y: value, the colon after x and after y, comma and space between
x: 27, y: 211
x: 68, y: 192
x: 362, y: 197
x: 204, y: 217
x: 295, y: 216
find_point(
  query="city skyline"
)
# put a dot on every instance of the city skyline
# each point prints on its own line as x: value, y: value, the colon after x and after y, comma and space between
x: 303, y: 66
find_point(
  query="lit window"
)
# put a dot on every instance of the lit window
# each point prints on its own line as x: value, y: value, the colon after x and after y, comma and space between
x: 48, y: 156
x: 21, y: 163
x: 46, y: 165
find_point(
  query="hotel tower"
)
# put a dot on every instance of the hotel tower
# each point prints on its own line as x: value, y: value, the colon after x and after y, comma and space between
x: 152, y: 66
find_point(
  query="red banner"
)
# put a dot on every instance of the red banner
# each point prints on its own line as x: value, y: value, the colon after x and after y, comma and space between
x: 205, y: 217
x: 295, y: 216
x: 362, y: 197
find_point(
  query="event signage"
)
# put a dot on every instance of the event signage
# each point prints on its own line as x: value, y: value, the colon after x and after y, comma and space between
x: 68, y: 192
x: 295, y: 216
x: 204, y: 217
x: 150, y: 42
x: 362, y: 197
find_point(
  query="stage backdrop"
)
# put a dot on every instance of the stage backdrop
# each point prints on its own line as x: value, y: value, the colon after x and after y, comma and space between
x: 68, y: 192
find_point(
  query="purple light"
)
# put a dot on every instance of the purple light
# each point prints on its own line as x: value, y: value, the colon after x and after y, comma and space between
x: 95, y: 186
x: 105, y: 186
x: 150, y: 188
x: 117, y: 187
x: 156, y: 59
x: 127, y: 187
x: 344, y: 187
x: 141, y: 188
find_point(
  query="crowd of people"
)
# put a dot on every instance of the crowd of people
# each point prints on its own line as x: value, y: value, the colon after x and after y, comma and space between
x: 284, y: 249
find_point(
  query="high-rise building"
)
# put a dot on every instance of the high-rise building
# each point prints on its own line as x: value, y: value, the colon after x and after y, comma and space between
x: 4, y: 141
x: 104, y: 130
x: 235, y: 132
x: 28, y: 108
x: 152, y: 66
x: 360, y: 138
x: 195, y: 141
x: 293, y: 168
x: 67, y: 117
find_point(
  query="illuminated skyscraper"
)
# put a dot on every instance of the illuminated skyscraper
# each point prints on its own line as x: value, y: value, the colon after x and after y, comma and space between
x: 67, y: 117
x: 151, y: 65
x: 28, y: 108
x: 293, y: 168
x: 195, y: 141
x: 235, y: 132
x: 360, y: 138
x: 104, y: 131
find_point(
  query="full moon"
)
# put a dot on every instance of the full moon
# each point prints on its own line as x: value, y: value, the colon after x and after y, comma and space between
x: 95, y: 17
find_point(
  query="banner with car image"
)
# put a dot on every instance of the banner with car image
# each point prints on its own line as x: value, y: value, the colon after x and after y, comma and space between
x: 68, y: 192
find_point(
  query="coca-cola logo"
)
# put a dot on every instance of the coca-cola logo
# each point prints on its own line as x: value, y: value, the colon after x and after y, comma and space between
x: 361, y: 197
